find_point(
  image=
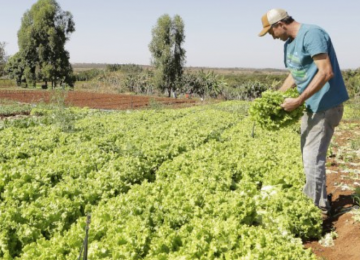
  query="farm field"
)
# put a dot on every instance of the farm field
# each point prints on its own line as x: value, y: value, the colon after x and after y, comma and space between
x: 92, y: 99
x: 190, y: 183
x: 161, y: 155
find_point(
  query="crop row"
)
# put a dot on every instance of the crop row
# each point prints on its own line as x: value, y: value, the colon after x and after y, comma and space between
x: 196, y: 183
x: 50, y: 178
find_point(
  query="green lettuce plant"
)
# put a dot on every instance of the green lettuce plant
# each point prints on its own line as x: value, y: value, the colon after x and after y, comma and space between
x: 267, y: 112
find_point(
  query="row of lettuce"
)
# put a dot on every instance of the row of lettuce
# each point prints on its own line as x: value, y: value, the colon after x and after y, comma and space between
x: 194, y: 183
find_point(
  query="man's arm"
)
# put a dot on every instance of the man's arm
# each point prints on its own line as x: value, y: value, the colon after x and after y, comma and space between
x: 288, y: 83
x: 324, y: 74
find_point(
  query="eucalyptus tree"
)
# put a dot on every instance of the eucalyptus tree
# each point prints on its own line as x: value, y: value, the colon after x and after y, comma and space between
x: 45, y: 29
x: 168, y: 54
x: 2, y: 57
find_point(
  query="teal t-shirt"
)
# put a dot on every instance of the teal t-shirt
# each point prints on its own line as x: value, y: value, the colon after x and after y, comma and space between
x: 312, y: 40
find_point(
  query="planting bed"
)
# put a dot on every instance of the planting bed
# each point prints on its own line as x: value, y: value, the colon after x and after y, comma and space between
x: 93, y: 100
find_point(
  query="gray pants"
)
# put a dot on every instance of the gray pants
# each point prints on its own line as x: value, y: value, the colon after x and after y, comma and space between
x: 317, y: 130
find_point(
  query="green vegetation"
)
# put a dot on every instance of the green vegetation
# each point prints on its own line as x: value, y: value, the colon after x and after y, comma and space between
x: 87, y: 75
x: 352, y: 82
x: 3, y: 58
x: 204, y: 84
x: 6, y: 83
x: 42, y: 57
x: 352, y: 109
x: 192, y: 183
x: 159, y: 184
x: 168, y: 54
x: 197, y: 83
x: 9, y: 107
x: 267, y: 112
x: 128, y: 68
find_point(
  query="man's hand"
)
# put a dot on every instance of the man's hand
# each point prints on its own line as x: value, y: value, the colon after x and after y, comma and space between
x: 290, y: 104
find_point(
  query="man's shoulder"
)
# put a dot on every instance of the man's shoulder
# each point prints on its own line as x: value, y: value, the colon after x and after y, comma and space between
x: 312, y: 28
x: 313, y: 33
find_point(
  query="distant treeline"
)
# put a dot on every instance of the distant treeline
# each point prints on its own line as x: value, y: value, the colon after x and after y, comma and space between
x: 102, y: 66
x: 100, y: 69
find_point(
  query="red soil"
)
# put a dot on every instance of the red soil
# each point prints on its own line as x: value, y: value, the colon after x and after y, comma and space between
x: 92, y: 99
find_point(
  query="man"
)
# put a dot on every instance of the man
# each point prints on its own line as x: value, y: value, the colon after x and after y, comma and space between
x: 314, y: 70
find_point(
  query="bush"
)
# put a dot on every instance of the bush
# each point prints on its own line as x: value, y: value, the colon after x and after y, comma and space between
x: 87, y: 75
x: 352, y: 82
x: 129, y: 68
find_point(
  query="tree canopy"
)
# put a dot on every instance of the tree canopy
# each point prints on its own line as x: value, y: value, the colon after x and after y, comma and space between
x: 2, y: 57
x: 168, y: 55
x: 44, y: 30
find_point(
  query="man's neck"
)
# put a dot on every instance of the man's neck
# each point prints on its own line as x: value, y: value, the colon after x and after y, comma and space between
x: 293, y: 29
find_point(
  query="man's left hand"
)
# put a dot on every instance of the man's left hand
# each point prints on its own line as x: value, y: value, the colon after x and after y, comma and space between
x: 290, y: 104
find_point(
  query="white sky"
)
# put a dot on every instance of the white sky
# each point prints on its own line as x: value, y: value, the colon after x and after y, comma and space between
x: 218, y: 33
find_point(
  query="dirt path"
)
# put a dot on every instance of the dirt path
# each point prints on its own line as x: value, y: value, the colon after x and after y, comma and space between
x: 343, y: 176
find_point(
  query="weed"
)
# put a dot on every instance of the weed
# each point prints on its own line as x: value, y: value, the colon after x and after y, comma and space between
x: 328, y: 239
x: 355, y: 144
x: 356, y: 196
x: 155, y: 105
x: 356, y: 199
x: 9, y: 107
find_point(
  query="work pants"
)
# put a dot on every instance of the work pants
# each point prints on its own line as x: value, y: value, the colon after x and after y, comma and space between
x: 317, y: 130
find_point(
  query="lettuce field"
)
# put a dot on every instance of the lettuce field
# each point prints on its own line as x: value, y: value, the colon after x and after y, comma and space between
x: 192, y: 183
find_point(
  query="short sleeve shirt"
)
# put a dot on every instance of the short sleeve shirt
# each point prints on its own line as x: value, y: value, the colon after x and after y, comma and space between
x: 298, y: 58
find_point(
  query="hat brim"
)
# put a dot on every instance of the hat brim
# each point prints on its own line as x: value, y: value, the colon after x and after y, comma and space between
x: 265, y: 31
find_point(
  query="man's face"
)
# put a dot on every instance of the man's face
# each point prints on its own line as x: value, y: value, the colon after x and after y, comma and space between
x: 277, y: 31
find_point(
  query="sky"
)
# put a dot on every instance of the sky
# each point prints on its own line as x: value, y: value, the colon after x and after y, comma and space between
x: 219, y: 34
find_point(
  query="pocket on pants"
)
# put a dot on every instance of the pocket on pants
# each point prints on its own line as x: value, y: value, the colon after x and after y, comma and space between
x: 313, y: 122
x: 333, y: 115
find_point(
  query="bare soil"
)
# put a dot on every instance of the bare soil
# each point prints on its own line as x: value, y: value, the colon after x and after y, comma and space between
x: 93, y: 99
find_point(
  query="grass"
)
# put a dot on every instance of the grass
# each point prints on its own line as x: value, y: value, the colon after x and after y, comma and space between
x: 9, y: 107
x: 356, y: 196
x: 355, y: 144
x: 57, y: 113
x: 356, y: 199
x: 155, y: 105
x: 352, y: 109
x: 4, y: 83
